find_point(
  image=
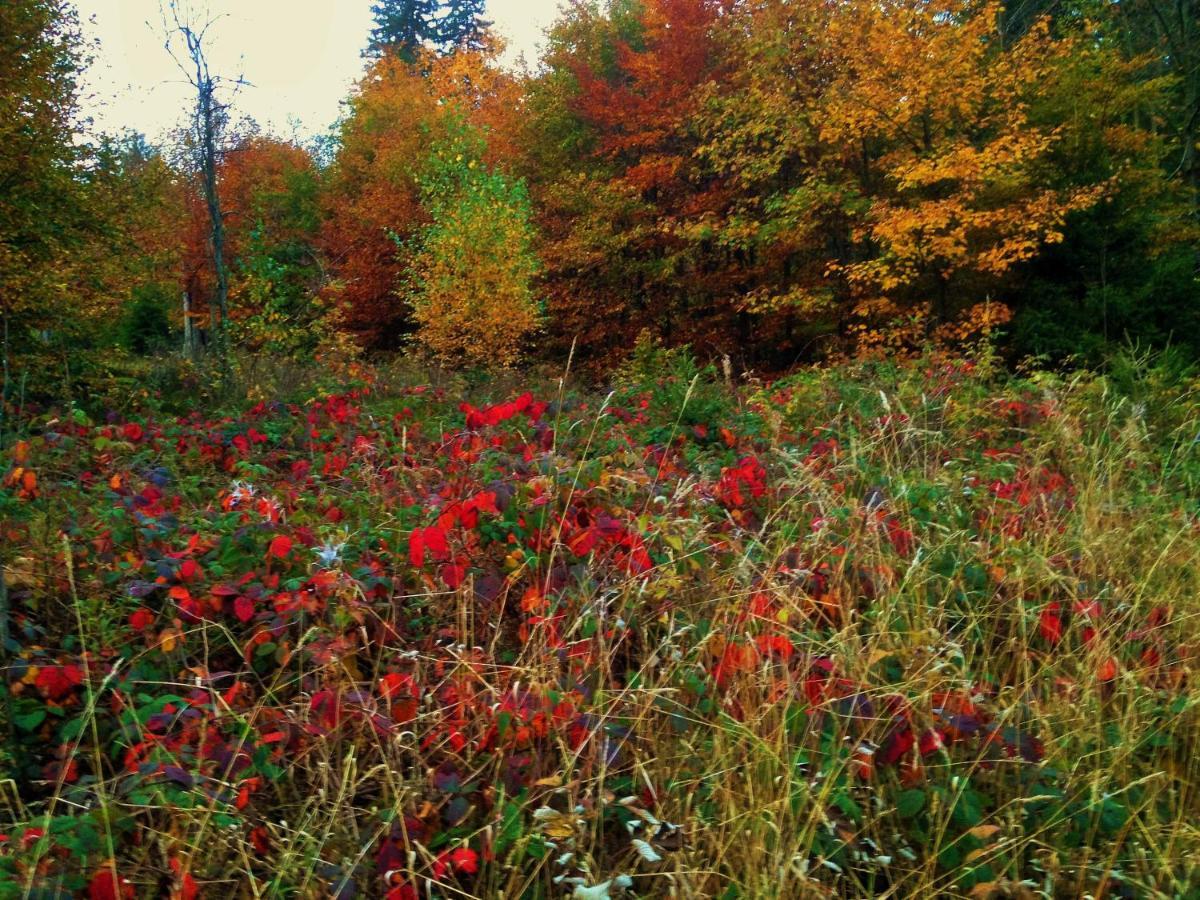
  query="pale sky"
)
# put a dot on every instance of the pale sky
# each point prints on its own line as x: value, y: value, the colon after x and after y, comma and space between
x: 302, y: 56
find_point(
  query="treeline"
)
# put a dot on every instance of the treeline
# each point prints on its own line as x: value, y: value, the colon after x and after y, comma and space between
x: 777, y: 180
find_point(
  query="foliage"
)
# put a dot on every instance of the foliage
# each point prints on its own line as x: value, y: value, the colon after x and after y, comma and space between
x: 765, y: 179
x: 892, y: 627
x: 373, y: 191
x: 146, y: 327
x: 620, y: 92
x: 271, y: 190
x: 41, y: 203
x: 962, y: 197
x: 470, y: 277
x: 776, y: 182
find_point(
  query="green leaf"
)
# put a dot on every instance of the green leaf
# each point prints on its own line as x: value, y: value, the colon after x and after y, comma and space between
x: 536, y: 847
x: 909, y: 803
x: 847, y: 804
x: 30, y: 720
x: 968, y: 809
x: 510, y: 829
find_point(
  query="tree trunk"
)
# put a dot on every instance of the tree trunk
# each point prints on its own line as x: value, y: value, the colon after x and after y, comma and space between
x: 208, y: 155
x: 191, y: 343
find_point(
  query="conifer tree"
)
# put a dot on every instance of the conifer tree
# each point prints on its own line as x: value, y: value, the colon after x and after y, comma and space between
x: 404, y: 26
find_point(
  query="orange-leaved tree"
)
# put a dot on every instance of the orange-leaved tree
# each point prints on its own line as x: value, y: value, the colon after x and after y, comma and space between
x: 617, y: 181
x: 396, y: 113
x: 959, y: 176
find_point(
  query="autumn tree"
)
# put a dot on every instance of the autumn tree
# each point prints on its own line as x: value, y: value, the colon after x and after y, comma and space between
x: 188, y: 31
x: 43, y: 204
x: 470, y: 275
x: 780, y: 174
x: 957, y: 180
x: 617, y: 102
x: 270, y: 194
x: 789, y: 200
x: 137, y: 257
x: 372, y: 190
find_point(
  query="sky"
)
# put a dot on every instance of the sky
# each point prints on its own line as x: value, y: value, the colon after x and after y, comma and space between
x: 300, y: 56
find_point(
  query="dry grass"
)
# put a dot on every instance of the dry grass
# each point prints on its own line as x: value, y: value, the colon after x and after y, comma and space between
x: 886, y: 583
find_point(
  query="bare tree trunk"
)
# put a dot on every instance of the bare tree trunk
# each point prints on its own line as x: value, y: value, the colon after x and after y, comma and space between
x: 191, y: 343
x: 207, y: 127
x: 187, y: 326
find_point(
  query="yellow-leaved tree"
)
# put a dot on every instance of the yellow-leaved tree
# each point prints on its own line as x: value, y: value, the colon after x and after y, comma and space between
x: 959, y: 174
x: 470, y: 280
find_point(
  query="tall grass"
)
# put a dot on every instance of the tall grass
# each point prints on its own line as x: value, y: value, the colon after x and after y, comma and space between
x: 1005, y: 569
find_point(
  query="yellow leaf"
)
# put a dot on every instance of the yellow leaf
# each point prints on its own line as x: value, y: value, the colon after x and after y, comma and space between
x: 553, y: 824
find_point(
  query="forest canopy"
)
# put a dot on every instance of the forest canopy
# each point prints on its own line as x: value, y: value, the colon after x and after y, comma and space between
x: 781, y: 181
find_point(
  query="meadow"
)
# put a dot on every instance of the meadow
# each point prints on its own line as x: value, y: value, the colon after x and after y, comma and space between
x: 888, y: 629
x: 700, y: 449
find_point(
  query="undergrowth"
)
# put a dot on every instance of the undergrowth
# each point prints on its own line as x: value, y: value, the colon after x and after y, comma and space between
x: 907, y: 630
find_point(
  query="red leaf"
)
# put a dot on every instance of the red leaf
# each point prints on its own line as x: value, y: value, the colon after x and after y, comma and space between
x: 105, y: 885
x: 435, y: 540
x: 416, y: 548
x: 1050, y: 624
x: 465, y: 860
x: 185, y: 885
x: 396, y: 684
x: 930, y: 742
x: 55, y: 682
x: 453, y: 574
x: 462, y: 860
x: 281, y: 546
x: 243, y: 608
x: 1107, y: 670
